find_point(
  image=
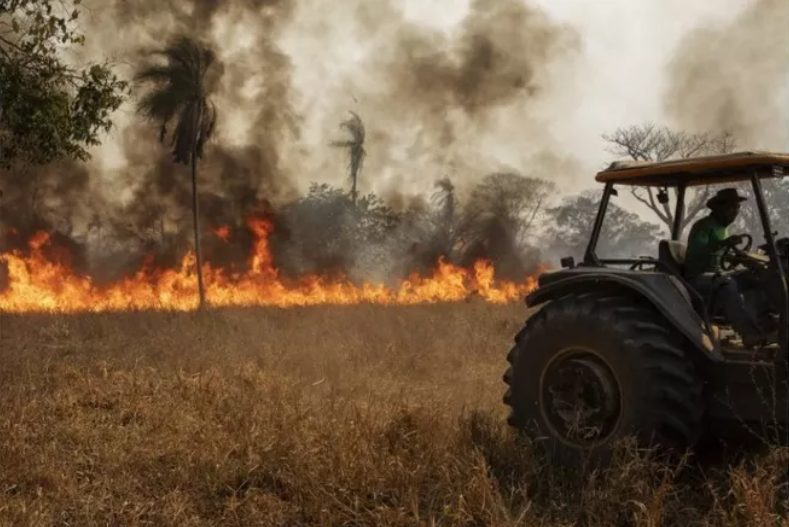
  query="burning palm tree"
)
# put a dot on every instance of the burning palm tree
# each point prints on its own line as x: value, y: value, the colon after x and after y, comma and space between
x: 355, y: 145
x: 179, y: 94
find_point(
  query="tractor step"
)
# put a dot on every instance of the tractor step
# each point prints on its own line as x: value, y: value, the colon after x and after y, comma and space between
x: 734, y: 351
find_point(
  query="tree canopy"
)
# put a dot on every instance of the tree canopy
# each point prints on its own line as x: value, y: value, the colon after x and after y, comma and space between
x: 180, y: 92
x: 624, y: 234
x: 326, y: 231
x: 505, y: 202
x: 50, y: 108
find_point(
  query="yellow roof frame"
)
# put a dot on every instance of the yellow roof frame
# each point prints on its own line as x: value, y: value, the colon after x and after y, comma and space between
x: 706, y: 170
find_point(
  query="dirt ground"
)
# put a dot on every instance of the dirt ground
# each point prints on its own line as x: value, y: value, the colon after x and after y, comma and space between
x: 362, y: 415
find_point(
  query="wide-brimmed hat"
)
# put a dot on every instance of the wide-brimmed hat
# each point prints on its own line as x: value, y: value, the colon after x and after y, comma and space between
x: 725, y: 197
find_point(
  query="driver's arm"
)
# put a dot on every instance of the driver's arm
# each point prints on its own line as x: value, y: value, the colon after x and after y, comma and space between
x: 731, y: 241
x: 705, y: 245
x: 702, y: 241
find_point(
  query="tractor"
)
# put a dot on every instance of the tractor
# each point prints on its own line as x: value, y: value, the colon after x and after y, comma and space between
x: 626, y: 347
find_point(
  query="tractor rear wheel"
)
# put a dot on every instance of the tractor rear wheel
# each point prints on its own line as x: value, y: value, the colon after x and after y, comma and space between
x: 590, y: 369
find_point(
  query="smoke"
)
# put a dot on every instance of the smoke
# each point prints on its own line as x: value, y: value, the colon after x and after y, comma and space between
x: 462, y: 101
x: 435, y: 101
x: 736, y: 78
x: 493, y: 60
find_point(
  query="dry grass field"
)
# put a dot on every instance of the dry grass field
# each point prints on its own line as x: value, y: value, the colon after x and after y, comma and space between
x: 324, y: 416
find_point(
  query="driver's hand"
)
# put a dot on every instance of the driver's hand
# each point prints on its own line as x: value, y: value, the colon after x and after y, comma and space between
x: 734, y: 240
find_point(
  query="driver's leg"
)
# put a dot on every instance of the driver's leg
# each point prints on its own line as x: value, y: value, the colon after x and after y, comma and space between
x: 757, y: 303
x: 729, y: 299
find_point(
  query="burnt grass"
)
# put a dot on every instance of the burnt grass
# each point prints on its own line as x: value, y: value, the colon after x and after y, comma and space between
x: 362, y: 415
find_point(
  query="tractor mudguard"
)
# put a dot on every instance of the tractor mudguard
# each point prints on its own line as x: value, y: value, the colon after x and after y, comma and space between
x: 664, y: 292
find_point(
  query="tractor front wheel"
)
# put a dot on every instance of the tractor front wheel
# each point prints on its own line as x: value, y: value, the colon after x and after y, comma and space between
x: 590, y: 369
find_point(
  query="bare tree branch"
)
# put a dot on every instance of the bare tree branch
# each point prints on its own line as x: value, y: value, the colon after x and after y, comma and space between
x: 651, y: 203
x: 650, y: 143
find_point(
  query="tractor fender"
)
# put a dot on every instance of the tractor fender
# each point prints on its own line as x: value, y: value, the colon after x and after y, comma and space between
x: 664, y: 292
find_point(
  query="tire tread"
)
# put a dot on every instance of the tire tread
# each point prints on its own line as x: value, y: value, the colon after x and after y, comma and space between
x: 674, y: 399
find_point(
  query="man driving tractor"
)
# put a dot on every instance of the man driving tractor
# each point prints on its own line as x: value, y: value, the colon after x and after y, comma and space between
x: 727, y: 292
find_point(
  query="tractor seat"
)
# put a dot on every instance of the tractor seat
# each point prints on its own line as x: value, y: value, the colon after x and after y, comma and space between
x: 672, y: 255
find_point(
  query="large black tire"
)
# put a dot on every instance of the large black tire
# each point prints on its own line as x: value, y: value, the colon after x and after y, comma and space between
x: 590, y: 369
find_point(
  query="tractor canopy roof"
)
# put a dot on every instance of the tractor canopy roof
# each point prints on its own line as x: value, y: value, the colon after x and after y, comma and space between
x: 698, y: 170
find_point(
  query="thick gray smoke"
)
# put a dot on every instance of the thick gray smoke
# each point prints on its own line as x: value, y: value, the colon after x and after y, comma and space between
x: 493, y: 60
x: 736, y: 78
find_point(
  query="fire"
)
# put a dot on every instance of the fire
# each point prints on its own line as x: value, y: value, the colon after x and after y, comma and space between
x: 36, y: 284
x: 223, y: 233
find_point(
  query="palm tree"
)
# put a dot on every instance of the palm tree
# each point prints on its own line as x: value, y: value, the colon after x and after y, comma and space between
x: 179, y: 93
x: 355, y: 145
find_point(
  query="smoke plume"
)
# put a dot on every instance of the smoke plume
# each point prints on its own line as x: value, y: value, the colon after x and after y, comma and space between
x: 736, y: 78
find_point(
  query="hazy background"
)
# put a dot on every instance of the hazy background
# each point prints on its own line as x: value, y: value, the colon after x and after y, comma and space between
x: 294, y: 71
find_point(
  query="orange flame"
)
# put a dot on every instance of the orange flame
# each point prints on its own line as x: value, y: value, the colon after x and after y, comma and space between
x: 223, y: 233
x: 35, y: 284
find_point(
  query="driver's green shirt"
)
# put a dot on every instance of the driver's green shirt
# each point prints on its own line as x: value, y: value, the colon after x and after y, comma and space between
x: 704, y: 247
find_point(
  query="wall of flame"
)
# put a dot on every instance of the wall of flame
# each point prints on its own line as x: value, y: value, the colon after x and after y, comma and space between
x: 38, y: 284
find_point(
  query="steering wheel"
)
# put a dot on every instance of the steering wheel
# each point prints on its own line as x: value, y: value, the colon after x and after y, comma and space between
x: 734, y: 254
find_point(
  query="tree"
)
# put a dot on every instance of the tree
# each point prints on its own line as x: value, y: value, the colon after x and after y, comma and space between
x: 624, y: 234
x: 498, y: 217
x: 49, y: 109
x: 355, y: 146
x: 444, y: 203
x: 180, y: 92
x: 326, y: 232
x: 650, y: 143
x: 512, y: 200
